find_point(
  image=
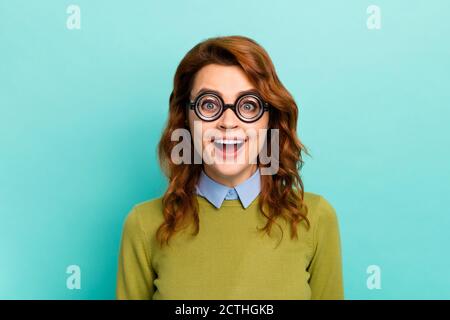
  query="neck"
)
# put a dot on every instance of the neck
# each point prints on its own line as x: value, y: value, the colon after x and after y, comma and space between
x: 231, y: 180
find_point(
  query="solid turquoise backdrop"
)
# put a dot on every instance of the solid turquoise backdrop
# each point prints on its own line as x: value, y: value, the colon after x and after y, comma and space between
x: 81, y: 113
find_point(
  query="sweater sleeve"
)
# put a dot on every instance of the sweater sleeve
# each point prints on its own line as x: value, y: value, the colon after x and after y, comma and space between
x: 135, y: 275
x: 326, y: 279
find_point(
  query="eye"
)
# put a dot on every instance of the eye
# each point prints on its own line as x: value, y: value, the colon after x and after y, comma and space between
x: 208, y: 105
x: 248, y: 107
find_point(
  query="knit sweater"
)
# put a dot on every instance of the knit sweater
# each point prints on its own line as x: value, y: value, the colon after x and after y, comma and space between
x: 229, y: 258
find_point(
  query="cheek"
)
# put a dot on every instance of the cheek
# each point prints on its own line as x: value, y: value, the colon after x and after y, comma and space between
x: 261, y: 127
x: 190, y: 119
x: 200, y: 131
x: 256, y: 134
x: 265, y: 120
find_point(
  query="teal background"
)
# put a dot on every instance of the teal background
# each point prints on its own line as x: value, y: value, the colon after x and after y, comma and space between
x: 81, y: 112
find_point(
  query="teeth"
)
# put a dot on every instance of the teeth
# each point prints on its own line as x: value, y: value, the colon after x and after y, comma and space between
x: 226, y: 141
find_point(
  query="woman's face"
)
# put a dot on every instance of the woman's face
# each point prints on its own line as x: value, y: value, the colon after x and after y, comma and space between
x: 229, y: 145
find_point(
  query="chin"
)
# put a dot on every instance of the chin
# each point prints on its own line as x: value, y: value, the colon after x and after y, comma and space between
x: 228, y: 170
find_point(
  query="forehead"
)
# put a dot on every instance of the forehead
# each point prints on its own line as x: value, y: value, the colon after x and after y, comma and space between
x: 227, y: 80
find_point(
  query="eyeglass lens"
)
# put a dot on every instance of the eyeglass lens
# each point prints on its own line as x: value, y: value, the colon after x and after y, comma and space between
x: 248, y: 107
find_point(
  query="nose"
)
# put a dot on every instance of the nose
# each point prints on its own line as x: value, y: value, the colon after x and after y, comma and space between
x: 228, y: 120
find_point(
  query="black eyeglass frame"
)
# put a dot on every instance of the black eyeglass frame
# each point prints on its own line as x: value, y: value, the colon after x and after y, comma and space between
x: 192, y: 106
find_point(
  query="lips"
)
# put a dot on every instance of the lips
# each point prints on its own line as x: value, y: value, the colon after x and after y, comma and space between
x: 229, y: 147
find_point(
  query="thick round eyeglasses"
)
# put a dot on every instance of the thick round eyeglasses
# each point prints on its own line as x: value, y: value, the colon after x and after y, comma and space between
x: 209, y: 106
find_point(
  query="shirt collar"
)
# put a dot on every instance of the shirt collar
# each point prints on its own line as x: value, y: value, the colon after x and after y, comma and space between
x: 216, y: 192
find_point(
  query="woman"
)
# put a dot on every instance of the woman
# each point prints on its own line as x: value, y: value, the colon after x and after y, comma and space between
x: 210, y: 235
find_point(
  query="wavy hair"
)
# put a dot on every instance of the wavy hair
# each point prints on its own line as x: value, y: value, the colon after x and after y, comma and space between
x: 282, y: 193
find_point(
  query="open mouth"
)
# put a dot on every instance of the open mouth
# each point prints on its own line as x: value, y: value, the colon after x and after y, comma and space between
x: 230, y: 147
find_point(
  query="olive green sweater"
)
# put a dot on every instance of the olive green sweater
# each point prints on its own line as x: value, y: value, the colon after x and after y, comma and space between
x: 229, y: 258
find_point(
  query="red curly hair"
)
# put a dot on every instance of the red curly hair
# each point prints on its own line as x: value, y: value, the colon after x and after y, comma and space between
x: 282, y: 193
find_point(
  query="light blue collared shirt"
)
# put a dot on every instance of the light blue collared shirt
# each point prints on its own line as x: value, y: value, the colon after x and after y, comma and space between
x: 216, y: 192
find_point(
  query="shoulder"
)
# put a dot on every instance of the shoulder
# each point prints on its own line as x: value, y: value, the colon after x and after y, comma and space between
x: 320, y: 211
x: 145, y: 216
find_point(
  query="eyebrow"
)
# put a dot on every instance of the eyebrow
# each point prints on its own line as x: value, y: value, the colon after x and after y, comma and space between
x: 202, y: 90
